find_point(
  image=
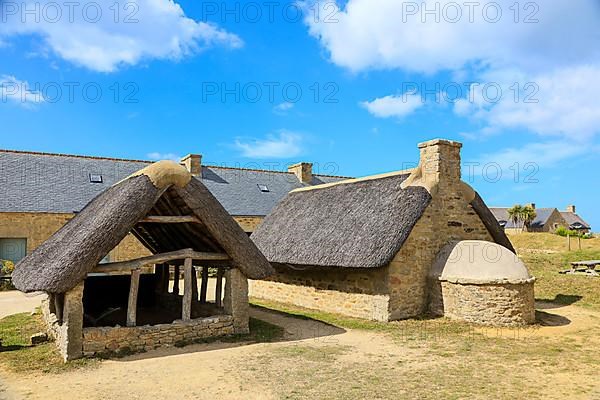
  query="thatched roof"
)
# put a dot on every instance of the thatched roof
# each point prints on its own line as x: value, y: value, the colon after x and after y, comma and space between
x: 162, y: 189
x: 359, y: 225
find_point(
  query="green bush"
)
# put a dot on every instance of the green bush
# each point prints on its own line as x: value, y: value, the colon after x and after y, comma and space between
x: 562, y: 231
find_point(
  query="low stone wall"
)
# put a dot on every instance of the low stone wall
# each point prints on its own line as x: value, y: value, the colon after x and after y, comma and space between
x: 491, y: 304
x: 66, y: 333
x: 358, y: 305
x: 102, y: 340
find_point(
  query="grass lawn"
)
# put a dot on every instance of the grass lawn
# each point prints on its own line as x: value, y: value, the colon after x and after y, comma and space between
x: 546, y: 254
x: 19, y: 356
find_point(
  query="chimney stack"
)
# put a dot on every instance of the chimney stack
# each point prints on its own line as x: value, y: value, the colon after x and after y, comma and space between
x: 571, y: 209
x: 303, y: 172
x: 440, y: 161
x: 532, y: 205
x: 193, y: 163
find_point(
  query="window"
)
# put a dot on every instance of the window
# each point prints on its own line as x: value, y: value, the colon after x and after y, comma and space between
x: 95, y: 178
x: 263, y: 188
x: 13, y: 249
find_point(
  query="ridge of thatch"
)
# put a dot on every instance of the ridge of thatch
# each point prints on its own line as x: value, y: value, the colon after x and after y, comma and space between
x: 66, y: 258
x: 358, y: 225
x: 491, y: 223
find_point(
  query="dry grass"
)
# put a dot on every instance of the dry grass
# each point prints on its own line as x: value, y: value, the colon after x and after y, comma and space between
x: 431, y: 359
x: 546, y: 254
x: 19, y: 356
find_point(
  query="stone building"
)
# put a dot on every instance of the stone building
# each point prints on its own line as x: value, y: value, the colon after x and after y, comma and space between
x: 546, y: 220
x: 96, y: 307
x: 44, y: 191
x: 366, y: 247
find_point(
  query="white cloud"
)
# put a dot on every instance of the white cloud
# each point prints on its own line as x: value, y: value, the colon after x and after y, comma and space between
x: 18, y: 92
x: 364, y: 34
x: 532, y: 156
x: 283, y: 108
x: 156, y: 156
x: 562, y: 103
x: 283, y: 145
x: 162, y: 31
x: 393, y: 106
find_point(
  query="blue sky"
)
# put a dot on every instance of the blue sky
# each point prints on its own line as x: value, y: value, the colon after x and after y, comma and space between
x: 375, y: 78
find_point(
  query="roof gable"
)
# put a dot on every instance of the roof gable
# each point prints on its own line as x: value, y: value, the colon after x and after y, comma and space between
x: 64, y: 260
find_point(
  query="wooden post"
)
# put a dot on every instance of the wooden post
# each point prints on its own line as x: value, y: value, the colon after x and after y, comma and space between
x: 58, y: 306
x: 194, y: 284
x: 133, y: 295
x: 579, y: 242
x: 569, y: 242
x: 186, y: 307
x: 165, y: 278
x: 176, y: 280
x: 219, y: 287
x: 204, y: 285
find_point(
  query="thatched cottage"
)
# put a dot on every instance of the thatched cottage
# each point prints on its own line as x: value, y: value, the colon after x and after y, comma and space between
x: 96, y: 307
x: 366, y: 247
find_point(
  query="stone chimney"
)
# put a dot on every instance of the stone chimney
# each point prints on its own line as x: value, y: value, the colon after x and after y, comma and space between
x: 193, y: 163
x: 440, y: 162
x: 532, y: 205
x: 303, y: 172
x: 571, y: 209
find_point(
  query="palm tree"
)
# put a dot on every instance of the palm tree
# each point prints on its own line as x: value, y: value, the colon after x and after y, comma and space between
x: 528, y: 215
x: 515, y: 213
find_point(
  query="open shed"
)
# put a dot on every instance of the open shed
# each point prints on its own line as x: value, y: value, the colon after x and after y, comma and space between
x: 95, y: 307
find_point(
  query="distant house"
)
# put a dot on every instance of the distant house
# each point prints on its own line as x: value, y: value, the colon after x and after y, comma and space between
x: 546, y: 220
x: 575, y: 222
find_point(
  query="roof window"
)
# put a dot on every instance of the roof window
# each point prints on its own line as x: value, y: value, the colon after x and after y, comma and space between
x: 96, y: 178
x: 263, y: 188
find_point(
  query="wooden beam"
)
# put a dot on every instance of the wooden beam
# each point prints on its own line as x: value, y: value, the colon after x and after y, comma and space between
x: 176, y: 279
x: 194, y: 284
x: 186, y: 307
x: 219, y: 287
x: 133, y: 296
x: 160, y: 258
x: 170, y: 219
x: 204, y: 284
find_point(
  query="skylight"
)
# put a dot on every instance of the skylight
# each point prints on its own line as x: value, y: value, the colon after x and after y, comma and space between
x: 95, y: 178
x: 263, y: 188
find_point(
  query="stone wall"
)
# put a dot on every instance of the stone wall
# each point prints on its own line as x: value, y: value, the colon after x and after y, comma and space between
x: 493, y: 304
x: 67, y: 331
x: 38, y: 227
x: 448, y: 217
x: 108, y: 340
x: 355, y: 293
x: 554, y: 221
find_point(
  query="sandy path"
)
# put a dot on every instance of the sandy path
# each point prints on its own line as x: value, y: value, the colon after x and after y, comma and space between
x: 213, y: 371
x: 15, y: 302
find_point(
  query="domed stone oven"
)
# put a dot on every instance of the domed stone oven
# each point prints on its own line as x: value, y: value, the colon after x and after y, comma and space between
x: 482, y: 282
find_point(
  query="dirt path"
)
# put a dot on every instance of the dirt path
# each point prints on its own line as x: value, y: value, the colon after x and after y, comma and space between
x: 266, y: 370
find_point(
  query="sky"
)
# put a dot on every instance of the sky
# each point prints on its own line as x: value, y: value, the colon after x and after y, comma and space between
x: 352, y: 86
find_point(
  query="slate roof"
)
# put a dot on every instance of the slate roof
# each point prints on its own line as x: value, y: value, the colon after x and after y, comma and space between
x: 573, y: 218
x: 542, y: 215
x: 56, y: 183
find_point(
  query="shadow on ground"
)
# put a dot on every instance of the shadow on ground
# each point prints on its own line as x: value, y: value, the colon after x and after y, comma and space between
x: 560, y: 300
x: 268, y: 326
x: 546, y: 319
